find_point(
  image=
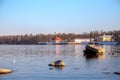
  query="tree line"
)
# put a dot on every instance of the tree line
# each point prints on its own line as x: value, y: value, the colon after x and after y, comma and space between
x: 34, y: 39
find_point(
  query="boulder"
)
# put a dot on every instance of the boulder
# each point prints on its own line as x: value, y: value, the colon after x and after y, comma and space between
x: 5, y: 71
x: 57, y: 63
x: 118, y: 73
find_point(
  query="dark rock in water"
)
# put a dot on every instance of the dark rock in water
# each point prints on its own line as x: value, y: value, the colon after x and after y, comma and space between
x: 93, y: 51
x: 118, y: 73
x: 89, y: 54
x: 57, y: 63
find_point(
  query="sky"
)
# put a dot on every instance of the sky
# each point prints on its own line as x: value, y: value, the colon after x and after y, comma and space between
x: 60, y: 16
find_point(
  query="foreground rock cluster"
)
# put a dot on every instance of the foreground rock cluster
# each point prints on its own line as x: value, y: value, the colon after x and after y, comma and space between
x: 57, y: 63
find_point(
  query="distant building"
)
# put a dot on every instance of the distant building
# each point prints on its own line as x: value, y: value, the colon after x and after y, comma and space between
x: 81, y: 40
x: 57, y: 39
x: 105, y: 38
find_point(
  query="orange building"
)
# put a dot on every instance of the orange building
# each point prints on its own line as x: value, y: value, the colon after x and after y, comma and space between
x: 57, y: 39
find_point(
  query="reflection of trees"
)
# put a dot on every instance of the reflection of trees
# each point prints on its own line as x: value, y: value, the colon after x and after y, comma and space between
x: 115, y: 49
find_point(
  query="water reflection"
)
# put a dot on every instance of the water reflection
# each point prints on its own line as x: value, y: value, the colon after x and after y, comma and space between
x: 58, y: 49
x: 115, y: 51
x: 101, y: 56
x: 31, y: 63
x: 3, y: 74
x: 112, y: 50
x: 57, y: 67
x: 65, y: 50
x: 96, y: 57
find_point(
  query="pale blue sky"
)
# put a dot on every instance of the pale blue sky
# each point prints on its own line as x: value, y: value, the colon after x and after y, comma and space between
x: 61, y: 16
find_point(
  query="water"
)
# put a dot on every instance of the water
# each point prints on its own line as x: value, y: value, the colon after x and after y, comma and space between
x: 30, y: 62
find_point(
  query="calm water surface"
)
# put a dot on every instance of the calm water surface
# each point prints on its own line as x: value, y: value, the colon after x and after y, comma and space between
x: 31, y: 63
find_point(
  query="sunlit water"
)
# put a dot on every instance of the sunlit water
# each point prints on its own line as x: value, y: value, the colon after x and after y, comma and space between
x: 30, y: 62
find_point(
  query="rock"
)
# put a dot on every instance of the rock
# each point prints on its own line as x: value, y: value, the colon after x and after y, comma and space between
x: 57, y: 63
x: 92, y: 51
x: 5, y: 71
x: 52, y: 64
x: 118, y: 73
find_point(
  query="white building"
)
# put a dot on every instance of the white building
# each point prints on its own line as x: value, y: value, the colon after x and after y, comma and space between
x: 81, y: 40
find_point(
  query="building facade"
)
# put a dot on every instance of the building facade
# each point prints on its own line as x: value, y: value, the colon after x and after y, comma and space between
x: 77, y: 40
x: 105, y: 38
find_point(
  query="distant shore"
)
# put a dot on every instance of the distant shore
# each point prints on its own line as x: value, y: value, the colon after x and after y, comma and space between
x: 67, y: 37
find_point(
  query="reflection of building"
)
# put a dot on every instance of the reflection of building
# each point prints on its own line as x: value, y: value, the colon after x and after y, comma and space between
x: 105, y: 38
x: 58, y: 49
